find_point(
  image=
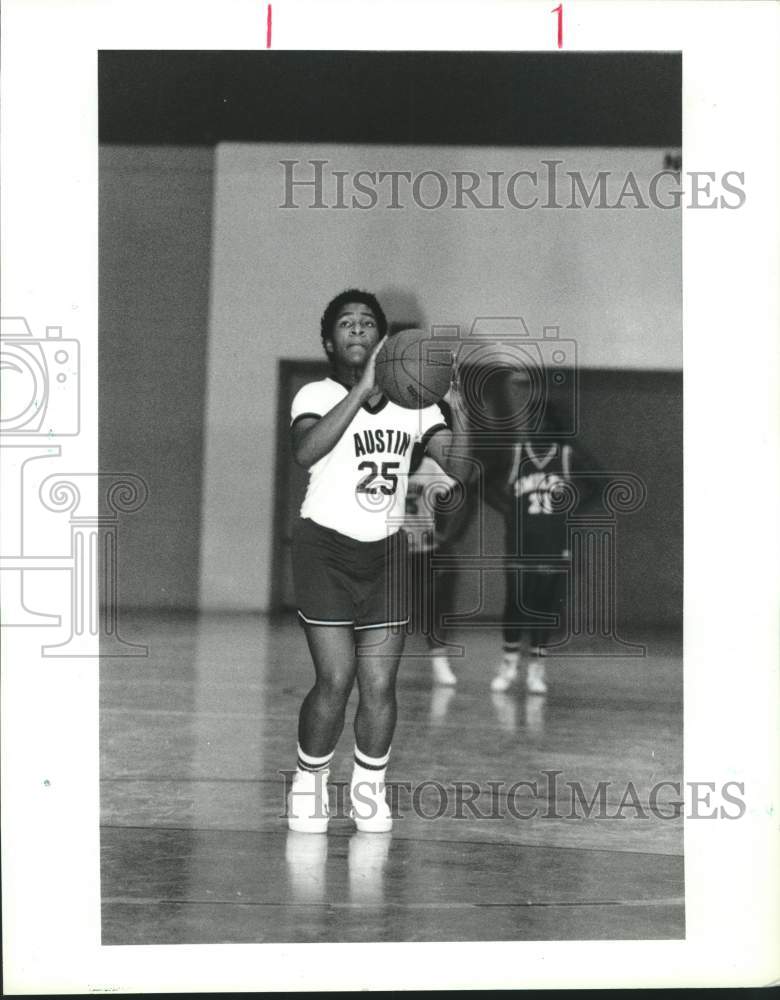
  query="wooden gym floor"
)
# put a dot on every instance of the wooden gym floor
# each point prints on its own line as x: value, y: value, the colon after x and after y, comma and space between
x: 195, y: 848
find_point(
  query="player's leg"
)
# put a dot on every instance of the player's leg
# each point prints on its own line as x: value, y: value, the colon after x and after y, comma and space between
x: 510, y: 635
x: 321, y: 718
x: 511, y: 627
x: 441, y: 595
x: 451, y: 526
x: 320, y: 723
x: 382, y: 614
x: 321, y: 561
x: 548, y: 597
x: 378, y: 653
x: 326, y: 613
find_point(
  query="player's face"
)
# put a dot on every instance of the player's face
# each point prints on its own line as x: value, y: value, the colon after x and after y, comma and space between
x: 355, y: 334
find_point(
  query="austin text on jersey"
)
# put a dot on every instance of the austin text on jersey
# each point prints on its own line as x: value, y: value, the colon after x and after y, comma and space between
x: 369, y: 442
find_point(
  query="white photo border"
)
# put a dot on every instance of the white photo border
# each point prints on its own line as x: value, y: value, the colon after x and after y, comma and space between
x: 51, y: 899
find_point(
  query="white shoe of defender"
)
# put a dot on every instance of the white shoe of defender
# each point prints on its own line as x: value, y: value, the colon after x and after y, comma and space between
x: 308, y: 809
x: 370, y: 810
x: 506, y: 676
x: 442, y: 671
x: 535, y: 682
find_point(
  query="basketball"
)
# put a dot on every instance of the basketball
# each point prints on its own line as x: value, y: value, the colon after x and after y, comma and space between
x: 413, y: 371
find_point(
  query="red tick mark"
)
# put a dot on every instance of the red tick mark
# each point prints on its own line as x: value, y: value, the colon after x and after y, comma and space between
x: 268, y: 28
x: 559, y: 11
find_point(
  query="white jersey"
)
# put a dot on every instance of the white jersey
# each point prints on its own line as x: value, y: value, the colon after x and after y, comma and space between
x: 359, y: 487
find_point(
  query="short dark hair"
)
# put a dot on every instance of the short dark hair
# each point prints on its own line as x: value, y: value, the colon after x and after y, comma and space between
x: 351, y: 295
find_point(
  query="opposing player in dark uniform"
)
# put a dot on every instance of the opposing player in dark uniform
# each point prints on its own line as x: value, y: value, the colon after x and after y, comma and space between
x: 527, y: 495
x: 348, y: 551
x: 522, y: 481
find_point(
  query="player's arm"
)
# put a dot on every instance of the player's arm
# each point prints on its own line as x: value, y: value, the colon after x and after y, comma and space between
x: 452, y: 520
x: 439, y: 446
x: 313, y: 437
x: 438, y: 442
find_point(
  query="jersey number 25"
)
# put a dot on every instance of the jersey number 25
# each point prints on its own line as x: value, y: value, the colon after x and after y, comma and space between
x: 388, y: 488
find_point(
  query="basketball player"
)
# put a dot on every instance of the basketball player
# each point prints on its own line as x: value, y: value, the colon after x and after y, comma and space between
x: 520, y: 482
x: 348, y: 550
x: 534, y: 527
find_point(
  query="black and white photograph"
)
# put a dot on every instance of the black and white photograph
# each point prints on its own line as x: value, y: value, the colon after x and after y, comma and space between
x: 406, y: 614
x: 393, y: 342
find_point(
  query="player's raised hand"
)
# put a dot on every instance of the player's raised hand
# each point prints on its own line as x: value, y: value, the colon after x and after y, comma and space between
x: 367, y: 383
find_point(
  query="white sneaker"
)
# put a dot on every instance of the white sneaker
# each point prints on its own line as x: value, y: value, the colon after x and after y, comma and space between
x: 308, y: 809
x: 535, y: 682
x: 442, y: 671
x: 370, y: 810
x: 506, y: 676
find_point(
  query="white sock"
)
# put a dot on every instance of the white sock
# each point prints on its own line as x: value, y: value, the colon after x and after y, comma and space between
x: 511, y: 657
x: 370, y: 770
x: 311, y: 765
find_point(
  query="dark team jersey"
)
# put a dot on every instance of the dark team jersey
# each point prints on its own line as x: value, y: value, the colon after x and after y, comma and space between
x: 533, y: 508
x: 523, y: 483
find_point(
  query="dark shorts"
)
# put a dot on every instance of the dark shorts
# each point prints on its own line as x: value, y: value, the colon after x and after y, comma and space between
x: 341, y: 581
